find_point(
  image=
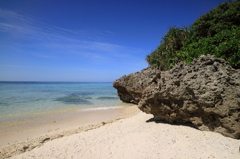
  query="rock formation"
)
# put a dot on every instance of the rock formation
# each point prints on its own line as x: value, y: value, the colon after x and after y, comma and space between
x: 130, y: 87
x: 205, y: 93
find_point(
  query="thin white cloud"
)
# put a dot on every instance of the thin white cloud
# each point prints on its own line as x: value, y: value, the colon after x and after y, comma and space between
x: 16, y: 24
x: 56, y: 41
x: 44, y: 56
x: 24, y: 66
x: 110, y: 32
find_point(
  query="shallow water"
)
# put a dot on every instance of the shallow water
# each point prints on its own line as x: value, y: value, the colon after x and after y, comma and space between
x: 29, y: 100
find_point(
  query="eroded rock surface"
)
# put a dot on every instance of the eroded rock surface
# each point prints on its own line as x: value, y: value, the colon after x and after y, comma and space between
x: 205, y: 93
x: 130, y: 87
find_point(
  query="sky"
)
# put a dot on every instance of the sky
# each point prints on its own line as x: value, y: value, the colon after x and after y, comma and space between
x: 86, y: 40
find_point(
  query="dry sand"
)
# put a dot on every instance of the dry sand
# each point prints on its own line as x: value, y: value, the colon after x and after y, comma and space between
x: 135, y: 137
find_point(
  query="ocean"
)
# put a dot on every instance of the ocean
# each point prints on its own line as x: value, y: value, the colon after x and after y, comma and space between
x: 30, y: 100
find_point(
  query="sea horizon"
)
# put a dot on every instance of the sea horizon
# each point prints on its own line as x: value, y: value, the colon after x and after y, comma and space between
x: 32, y: 81
x: 26, y: 100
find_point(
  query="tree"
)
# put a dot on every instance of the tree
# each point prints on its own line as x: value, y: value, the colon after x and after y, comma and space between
x: 164, y: 57
x: 216, y: 32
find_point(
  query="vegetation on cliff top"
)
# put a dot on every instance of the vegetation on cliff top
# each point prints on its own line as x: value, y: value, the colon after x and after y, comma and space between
x: 216, y: 32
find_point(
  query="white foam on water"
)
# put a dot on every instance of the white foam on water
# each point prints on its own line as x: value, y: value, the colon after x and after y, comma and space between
x: 102, y: 108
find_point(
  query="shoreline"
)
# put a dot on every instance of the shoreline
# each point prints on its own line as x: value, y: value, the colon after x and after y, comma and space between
x: 131, y: 134
x: 24, y: 138
x: 21, y: 130
x: 135, y: 137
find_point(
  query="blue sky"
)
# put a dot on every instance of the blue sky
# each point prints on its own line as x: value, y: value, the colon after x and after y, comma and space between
x: 86, y: 40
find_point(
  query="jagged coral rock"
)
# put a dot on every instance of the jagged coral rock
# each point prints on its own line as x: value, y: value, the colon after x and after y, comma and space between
x: 205, y: 93
x: 130, y: 87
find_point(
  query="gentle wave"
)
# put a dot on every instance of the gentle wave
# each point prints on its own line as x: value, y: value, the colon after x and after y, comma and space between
x: 102, y: 108
x: 22, y: 100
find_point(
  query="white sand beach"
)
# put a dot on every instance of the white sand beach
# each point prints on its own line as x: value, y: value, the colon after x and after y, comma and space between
x: 135, y: 137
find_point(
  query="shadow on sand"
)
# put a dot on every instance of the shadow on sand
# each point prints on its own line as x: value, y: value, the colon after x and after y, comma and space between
x: 175, y: 124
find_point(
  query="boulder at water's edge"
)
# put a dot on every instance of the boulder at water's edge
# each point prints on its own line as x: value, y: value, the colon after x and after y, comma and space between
x: 205, y: 93
x: 130, y: 87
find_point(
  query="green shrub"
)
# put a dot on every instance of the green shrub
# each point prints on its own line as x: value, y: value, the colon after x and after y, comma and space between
x: 223, y: 17
x: 225, y: 44
x: 216, y: 32
x: 164, y: 57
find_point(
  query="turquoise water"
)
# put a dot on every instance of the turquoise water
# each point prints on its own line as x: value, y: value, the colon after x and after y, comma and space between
x: 24, y: 100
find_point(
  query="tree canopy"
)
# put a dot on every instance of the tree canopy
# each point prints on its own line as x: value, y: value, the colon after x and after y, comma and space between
x: 216, y: 32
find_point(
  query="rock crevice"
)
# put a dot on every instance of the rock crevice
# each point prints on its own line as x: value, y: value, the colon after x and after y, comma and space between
x: 205, y: 93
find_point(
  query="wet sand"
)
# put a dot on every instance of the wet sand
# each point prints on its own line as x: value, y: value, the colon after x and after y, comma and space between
x: 40, y: 126
x: 130, y: 134
x: 14, y: 139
